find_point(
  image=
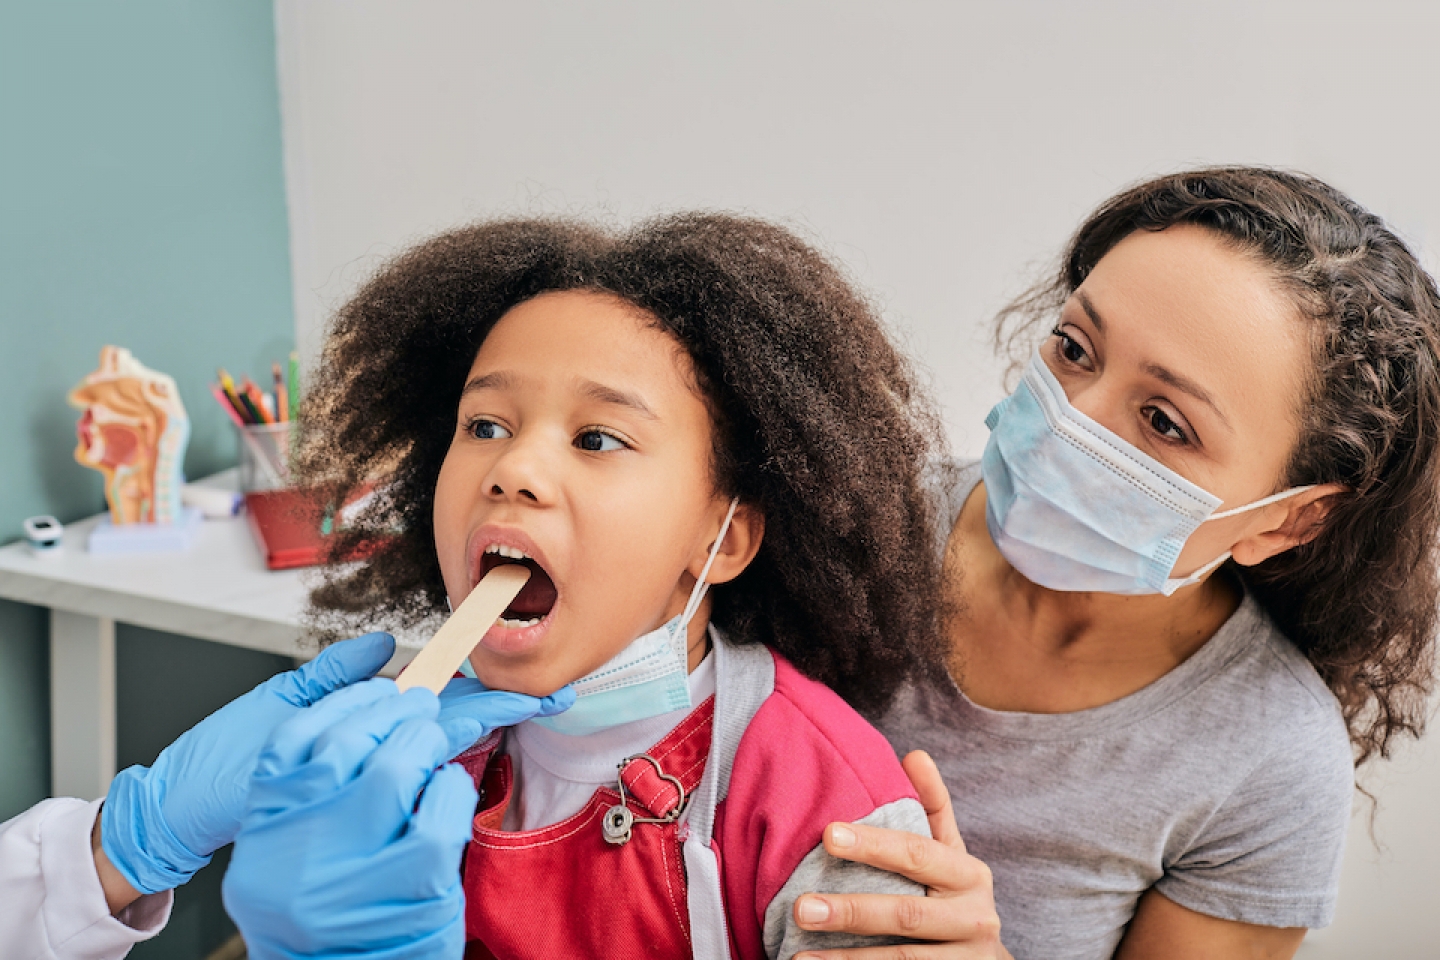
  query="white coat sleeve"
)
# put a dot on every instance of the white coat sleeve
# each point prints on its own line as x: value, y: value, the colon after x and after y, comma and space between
x: 51, y: 904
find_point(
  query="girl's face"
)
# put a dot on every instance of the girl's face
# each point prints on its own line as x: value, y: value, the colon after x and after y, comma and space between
x: 1191, y: 351
x: 582, y: 445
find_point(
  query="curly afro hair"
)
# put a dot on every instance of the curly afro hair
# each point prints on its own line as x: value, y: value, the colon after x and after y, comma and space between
x: 818, y: 422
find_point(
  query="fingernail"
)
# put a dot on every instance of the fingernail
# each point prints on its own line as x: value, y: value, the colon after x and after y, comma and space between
x: 842, y: 836
x: 812, y: 910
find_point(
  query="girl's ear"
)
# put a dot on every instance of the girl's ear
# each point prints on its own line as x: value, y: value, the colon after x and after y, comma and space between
x: 1300, y: 523
x: 742, y: 542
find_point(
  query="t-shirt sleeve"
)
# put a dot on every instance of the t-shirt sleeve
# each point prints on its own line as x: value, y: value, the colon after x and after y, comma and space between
x: 821, y: 873
x: 1271, y: 853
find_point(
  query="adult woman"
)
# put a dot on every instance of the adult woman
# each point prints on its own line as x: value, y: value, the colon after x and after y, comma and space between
x: 1242, y: 367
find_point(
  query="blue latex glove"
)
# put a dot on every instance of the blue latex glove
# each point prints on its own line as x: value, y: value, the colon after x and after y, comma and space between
x: 335, y: 857
x: 469, y: 710
x: 160, y: 825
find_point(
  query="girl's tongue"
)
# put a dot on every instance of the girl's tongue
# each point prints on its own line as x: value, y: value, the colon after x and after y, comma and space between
x: 535, y: 599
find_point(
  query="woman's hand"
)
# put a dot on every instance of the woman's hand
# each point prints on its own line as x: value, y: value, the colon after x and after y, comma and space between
x: 959, y: 909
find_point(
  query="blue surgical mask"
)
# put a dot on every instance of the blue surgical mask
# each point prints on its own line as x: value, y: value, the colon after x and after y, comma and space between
x: 649, y: 677
x: 1074, y: 507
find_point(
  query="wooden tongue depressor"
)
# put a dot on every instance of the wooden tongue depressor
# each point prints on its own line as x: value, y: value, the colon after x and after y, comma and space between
x: 438, y: 660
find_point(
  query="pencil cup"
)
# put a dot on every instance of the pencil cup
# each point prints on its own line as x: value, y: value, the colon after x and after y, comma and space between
x: 264, y: 457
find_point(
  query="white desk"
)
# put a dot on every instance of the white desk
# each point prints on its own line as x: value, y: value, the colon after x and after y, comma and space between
x: 218, y: 590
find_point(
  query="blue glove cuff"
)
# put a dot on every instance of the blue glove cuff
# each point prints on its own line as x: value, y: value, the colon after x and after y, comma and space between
x: 448, y: 941
x: 137, y: 839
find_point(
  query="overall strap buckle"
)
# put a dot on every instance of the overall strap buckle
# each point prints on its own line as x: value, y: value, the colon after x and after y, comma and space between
x: 653, y: 790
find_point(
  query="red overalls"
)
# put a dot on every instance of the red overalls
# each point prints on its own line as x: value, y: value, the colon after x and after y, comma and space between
x: 565, y: 890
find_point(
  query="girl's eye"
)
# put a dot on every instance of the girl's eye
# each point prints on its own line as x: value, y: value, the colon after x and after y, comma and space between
x: 598, y: 441
x: 1161, y: 423
x: 1070, y: 349
x: 482, y: 429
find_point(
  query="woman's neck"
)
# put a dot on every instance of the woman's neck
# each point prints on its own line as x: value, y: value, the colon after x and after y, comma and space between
x: 1016, y: 646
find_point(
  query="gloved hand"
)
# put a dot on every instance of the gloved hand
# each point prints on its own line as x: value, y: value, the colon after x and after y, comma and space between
x: 469, y: 710
x: 335, y: 858
x: 160, y: 825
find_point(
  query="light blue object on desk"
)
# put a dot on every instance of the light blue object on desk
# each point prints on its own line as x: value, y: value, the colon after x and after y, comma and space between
x: 112, y: 538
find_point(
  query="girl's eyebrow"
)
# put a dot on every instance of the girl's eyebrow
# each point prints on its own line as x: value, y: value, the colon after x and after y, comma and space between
x: 502, y: 380
x: 488, y: 381
x: 620, y: 398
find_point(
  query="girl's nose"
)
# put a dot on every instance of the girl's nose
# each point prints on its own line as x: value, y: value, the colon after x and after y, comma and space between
x: 521, y: 473
x: 498, y: 491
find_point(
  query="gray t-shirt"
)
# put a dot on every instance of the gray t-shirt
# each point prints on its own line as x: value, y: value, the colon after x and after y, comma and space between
x: 1226, y: 784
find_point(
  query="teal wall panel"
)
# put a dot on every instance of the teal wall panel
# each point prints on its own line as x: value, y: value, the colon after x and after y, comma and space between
x: 24, y: 706
x: 142, y: 203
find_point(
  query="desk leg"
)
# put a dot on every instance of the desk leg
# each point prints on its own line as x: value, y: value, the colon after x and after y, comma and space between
x: 82, y: 705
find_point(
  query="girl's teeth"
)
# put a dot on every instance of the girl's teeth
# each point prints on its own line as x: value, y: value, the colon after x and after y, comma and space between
x: 518, y: 624
x: 509, y: 553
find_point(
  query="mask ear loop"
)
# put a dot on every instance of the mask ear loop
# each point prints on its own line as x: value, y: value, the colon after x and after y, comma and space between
x: 1273, y: 498
x: 697, y: 593
x: 1200, y: 574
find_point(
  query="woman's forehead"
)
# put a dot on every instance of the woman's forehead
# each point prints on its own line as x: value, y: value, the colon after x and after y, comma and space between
x: 1185, y: 301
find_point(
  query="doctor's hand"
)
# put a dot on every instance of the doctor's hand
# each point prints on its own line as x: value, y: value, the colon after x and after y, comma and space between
x: 958, y: 911
x: 352, y: 839
x: 471, y: 711
x: 160, y: 825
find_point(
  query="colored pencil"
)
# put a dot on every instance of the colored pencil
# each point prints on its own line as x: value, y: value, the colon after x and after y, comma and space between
x: 292, y: 387
x: 226, y: 405
x: 282, y: 404
x: 228, y: 385
x: 251, y: 394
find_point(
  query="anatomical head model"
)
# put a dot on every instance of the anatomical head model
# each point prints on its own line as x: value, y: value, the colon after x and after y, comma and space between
x: 133, y: 431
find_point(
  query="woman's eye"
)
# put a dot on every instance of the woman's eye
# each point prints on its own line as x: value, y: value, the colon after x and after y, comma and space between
x: 598, y: 441
x: 1070, y: 348
x: 487, y: 430
x: 1161, y: 423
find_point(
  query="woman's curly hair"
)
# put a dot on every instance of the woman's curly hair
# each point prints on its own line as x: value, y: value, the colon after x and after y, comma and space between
x: 818, y: 422
x: 1360, y: 600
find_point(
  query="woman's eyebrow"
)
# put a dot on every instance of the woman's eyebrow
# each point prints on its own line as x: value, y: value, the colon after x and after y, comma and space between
x: 1163, y: 374
x: 1090, y: 310
x: 1189, y: 387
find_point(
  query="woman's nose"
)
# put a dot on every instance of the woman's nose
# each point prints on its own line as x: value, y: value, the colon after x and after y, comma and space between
x: 1101, y: 401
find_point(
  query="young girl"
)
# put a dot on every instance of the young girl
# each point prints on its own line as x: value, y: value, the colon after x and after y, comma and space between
x: 703, y: 401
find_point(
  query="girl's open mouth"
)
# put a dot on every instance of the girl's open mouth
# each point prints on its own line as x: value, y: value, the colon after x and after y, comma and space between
x: 535, y: 600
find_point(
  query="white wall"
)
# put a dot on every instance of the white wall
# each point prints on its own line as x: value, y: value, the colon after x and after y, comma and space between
x: 944, y: 151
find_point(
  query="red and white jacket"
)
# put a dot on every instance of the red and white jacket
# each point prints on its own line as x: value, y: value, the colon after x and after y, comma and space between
x: 743, y: 788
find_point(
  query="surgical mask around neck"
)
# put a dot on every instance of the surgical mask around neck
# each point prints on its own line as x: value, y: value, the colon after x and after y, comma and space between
x: 649, y: 677
x: 1074, y: 507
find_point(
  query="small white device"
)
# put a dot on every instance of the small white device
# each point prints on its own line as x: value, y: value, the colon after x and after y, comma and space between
x: 45, y: 535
